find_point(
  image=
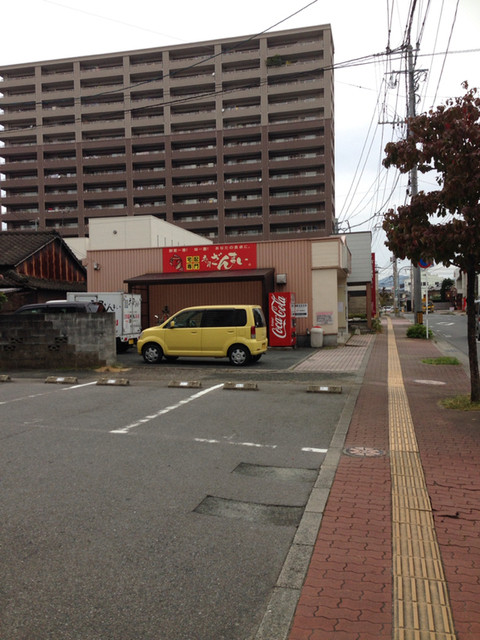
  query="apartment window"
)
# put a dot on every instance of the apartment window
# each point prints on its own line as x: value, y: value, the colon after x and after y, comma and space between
x: 191, y: 53
x: 19, y: 74
x: 148, y: 166
x: 57, y: 69
x: 104, y: 153
x: 152, y: 130
x: 112, y: 134
x: 52, y: 105
x: 146, y: 96
x: 51, y: 207
x: 147, y: 112
x: 242, y: 122
x: 18, y: 108
x: 241, y: 47
x: 149, y: 202
x: 101, y: 64
x: 148, y: 184
x: 104, y: 170
x: 243, y: 231
x: 191, y: 164
x: 99, y: 100
x: 146, y: 58
x: 104, y: 204
x: 101, y: 187
x: 56, y: 121
x: 194, y: 72
x: 64, y: 172
x: 58, y: 137
x: 50, y: 87
x: 98, y: 82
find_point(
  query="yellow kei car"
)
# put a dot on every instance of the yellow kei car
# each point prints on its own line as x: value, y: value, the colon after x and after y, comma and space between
x: 237, y: 332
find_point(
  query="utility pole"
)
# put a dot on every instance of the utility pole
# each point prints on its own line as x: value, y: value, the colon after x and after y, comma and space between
x: 417, y: 279
x: 395, y: 285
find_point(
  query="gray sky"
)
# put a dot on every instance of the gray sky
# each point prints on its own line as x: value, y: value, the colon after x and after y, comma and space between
x: 365, y: 94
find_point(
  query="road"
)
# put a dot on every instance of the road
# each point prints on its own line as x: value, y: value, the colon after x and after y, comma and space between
x: 452, y: 328
x: 153, y: 512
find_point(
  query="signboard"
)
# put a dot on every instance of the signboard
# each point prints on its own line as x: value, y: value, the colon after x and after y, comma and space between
x: 301, y: 310
x: 324, y: 317
x: 213, y: 257
x: 425, y: 264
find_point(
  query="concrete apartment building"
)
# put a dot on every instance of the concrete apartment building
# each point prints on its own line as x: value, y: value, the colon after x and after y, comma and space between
x: 230, y: 139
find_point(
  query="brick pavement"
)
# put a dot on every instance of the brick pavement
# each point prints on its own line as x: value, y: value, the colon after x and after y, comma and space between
x: 347, y: 593
x: 343, y: 358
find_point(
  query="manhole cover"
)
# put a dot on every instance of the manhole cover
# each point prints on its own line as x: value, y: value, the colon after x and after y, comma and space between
x: 363, y: 452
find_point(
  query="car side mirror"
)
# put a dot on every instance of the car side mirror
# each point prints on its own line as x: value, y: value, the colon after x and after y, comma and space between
x: 171, y: 325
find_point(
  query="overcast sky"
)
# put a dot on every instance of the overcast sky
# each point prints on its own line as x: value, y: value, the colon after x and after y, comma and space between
x: 366, y: 95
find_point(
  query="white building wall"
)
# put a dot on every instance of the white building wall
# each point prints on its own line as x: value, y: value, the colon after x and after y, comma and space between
x: 139, y: 232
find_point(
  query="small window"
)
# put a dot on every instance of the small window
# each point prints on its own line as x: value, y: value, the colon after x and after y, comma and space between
x: 224, y: 318
x: 258, y: 318
x: 188, y: 319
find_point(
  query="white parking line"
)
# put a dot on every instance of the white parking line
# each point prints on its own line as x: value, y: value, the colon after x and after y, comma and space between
x: 162, y: 412
x: 255, y: 444
x: 238, y: 444
x: 79, y: 386
x: 46, y: 393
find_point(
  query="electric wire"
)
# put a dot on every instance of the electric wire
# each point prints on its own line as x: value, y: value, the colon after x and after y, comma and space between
x: 446, y: 53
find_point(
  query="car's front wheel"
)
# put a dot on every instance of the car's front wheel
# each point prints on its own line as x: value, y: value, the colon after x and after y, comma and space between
x: 239, y: 355
x: 152, y: 353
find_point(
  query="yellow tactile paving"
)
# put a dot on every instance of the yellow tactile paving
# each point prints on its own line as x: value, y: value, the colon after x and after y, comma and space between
x: 421, y: 605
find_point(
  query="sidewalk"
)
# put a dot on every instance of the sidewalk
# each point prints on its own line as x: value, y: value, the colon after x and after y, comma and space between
x: 398, y: 550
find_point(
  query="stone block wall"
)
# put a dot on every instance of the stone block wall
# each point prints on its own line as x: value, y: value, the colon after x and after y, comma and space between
x: 57, y: 341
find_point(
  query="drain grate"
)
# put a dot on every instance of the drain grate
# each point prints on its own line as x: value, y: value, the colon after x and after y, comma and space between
x: 364, y: 452
x: 280, y: 515
x: 277, y: 473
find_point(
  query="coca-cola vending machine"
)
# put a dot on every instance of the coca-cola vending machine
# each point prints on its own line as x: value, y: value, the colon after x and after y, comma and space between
x: 282, y: 320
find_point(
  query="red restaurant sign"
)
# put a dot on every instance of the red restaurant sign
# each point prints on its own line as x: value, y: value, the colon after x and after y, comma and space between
x: 212, y: 257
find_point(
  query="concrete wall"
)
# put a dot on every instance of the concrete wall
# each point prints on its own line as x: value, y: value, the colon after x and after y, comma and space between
x: 73, y: 341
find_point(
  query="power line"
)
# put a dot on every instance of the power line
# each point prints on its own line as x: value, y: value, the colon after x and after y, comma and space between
x: 448, y: 46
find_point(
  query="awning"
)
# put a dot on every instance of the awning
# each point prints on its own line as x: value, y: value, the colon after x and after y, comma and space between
x: 201, y: 276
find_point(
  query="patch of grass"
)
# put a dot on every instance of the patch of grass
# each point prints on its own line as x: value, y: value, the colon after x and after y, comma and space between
x: 441, y: 360
x: 419, y: 331
x: 460, y: 403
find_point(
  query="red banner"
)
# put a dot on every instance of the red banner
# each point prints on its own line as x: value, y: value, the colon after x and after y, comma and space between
x: 212, y: 257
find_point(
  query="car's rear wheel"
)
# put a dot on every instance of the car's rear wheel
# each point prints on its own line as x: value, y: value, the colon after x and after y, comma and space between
x: 239, y: 355
x: 152, y: 353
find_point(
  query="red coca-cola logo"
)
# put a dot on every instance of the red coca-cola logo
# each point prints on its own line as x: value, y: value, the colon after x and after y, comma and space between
x: 278, y: 316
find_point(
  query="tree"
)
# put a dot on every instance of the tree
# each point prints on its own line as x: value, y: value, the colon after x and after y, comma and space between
x: 443, y: 224
x: 447, y: 284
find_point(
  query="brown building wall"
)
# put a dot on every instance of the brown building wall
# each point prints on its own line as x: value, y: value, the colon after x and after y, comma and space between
x: 290, y: 257
x: 231, y: 139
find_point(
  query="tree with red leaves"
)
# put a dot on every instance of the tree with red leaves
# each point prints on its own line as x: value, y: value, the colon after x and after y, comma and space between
x: 443, y: 224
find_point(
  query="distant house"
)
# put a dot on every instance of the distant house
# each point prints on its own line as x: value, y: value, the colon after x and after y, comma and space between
x: 36, y: 266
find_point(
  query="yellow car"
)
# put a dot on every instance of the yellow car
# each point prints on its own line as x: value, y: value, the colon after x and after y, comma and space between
x: 237, y: 332
x: 431, y: 308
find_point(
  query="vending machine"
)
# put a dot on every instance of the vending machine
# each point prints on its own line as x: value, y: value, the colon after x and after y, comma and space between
x: 281, y: 320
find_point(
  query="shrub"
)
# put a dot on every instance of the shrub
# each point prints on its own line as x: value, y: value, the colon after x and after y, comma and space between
x: 418, y: 331
x: 377, y: 325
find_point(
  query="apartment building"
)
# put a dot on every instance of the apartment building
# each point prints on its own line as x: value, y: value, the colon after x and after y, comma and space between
x: 231, y: 139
